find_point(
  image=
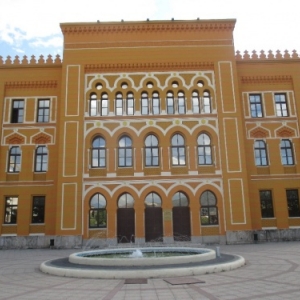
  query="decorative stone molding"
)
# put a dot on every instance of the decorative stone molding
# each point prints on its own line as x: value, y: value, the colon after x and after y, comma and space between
x: 259, y: 132
x: 148, y: 27
x: 285, y: 132
x: 41, y: 138
x: 148, y: 66
x: 266, y: 79
x: 15, y: 139
x: 31, y: 84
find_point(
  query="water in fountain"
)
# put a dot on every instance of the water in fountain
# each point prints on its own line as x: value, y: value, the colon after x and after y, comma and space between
x: 136, y: 254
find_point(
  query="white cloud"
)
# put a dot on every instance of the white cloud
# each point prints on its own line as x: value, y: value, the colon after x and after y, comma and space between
x: 48, y: 42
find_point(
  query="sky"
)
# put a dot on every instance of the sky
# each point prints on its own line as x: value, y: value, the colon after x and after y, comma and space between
x: 31, y: 27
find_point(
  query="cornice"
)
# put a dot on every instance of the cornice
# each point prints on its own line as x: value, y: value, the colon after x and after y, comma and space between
x: 31, y: 84
x: 266, y: 79
x: 92, y: 68
x: 148, y: 26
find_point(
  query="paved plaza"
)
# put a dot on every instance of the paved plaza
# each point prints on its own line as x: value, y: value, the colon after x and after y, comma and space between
x: 272, y: 271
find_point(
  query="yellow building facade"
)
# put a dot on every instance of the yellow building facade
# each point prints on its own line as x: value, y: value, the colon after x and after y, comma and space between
x: 152, y: 131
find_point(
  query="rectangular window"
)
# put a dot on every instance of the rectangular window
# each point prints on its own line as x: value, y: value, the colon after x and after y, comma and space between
x: 155, y: 105
x: 170, y: 105
x: 293, y: 203
x: 130, y: 109
x: 14, y: 160
x: 17, y: 114
x: 43, y: 112
x: 11, y: 210
x: 104, y: 107
x: 38, y: 209
x: 145, y: 109
x: 256, y: 106
x: 266, y: 204
x: 281, y: 105
x: 41, y: 159
x: 119, y: 107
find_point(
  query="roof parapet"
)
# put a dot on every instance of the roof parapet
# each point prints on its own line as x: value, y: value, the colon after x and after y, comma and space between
x: 269, y: 56
x: 41, y: 61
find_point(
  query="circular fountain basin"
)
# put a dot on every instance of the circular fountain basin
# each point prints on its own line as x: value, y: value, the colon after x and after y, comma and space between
x: 123, y: 257
x: 95, y: 264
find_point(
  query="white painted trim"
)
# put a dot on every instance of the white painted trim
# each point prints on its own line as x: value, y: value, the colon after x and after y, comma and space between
x: 62, y: 207
x: 66, y: 92
x: 243, y: 201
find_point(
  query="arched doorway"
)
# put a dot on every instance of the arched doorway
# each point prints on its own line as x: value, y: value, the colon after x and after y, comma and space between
x: 181, y: 217
x: 153, y: 218
x: 125, y: 219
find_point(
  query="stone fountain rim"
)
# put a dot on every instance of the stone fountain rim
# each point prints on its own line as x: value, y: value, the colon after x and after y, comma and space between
x: 203, y: 254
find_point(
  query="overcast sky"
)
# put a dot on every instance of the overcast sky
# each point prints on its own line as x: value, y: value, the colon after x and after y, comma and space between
x: 31, y: 27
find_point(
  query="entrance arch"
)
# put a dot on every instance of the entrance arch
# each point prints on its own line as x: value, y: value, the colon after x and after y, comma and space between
x: 181, y: 217
x: 153, y: 218
x: 125, y: 219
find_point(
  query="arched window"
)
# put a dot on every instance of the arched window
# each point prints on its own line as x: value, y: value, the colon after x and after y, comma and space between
x: 41, y: 159
x: 153, y: 200
x: 151, y: 151
x: 178, y: 150
x: 209, y: 211
x: 286, y: 148
x: 204, y: 150
x: 14, y: 163
x: 130, y: 104
x: 196, y: 102
x: 125, y: 152
x: 97, y: 213
x: 180, y: 199
x: 206, y: 102
x: 125, y: 201
x: 155, y: 103
x: 98, y: 152
x: 119, y: 104
x: 260, y: 153
x: 145, y: 104
x: 104, y: 104
x: 93, y: 104
x: 181, y: 103
x: 170, y: 103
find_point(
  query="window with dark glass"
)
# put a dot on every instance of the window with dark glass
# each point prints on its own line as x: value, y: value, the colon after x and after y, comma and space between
x: 256, y: 106
x: 98, y: 152
x: 292, y: 197
x: 17, y: 114
x: 125, y: 201
x: 41, y: 159
x: 97, y: 213
x: 260, y: 153
x: 196, y: 102
x: 180, y: 199
x: 104, y: 104
x: 93, y: 104
x: 151, y: 151
x: 153, y: 200
x: 181, y: 103
x: 281, y: 105
x: 178, y: 150
x: 43, y: 110
x: 286, y: 148
x: 170, y: 103
x: 155, y: 103
x: 130, y: 104
x: 266, y: 204
x: 14, y: 162
x: 206, y: 103
x: 209, y: 210
x: 204, y: 150
x: 38, y: 209
x: 125, y: 152
x: 119, y: 104
x: 145, y: 104
x: 11, y: 210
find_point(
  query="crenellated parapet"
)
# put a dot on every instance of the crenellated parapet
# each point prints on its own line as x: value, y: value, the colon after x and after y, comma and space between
x: 262, y: 55
x: 32, y: 61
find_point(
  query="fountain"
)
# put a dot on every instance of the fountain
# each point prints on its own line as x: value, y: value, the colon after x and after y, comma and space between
x: 150, y: 262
